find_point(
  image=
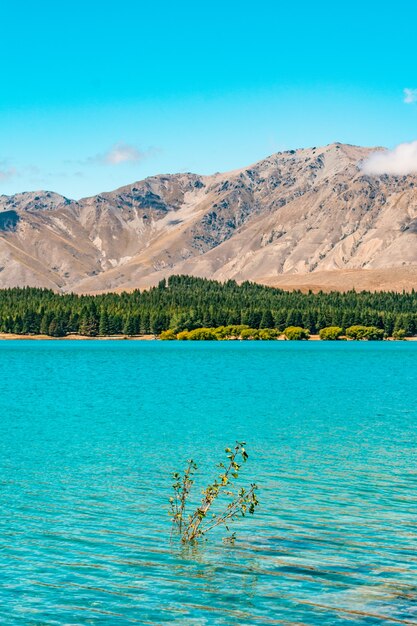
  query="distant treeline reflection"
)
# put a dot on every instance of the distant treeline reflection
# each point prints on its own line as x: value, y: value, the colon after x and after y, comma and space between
x: 186, y: 303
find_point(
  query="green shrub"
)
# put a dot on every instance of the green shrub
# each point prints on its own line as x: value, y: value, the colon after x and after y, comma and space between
x: 249, y: 333
x: 221, y: 332
x: 234, y: 330
x: 202, y: 334
x: 369, y: 333
x: 331, y: 333
x: 399, y: 334
x: 375, y: 334
x: 183, y: 335
x: 167, y: 335
x: 296, y: 333
x: 267, y: 334
x: 226, y: 332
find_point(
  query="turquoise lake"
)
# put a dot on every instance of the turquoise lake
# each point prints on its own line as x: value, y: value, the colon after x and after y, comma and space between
x: 90, y: 433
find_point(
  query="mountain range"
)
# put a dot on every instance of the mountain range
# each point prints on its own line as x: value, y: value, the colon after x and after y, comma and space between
x: 308, y: 218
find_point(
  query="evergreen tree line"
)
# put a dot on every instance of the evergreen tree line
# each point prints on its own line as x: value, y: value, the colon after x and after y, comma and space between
x: 185, y: 303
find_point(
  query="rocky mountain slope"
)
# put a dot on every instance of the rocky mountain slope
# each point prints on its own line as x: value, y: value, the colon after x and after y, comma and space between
x: 304, y: 218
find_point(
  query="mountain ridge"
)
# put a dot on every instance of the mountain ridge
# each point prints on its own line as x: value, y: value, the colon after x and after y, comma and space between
x: 291, y: 218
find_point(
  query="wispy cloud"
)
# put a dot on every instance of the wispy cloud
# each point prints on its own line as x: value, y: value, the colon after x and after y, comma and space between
x: 122, y: 153
x: 410, y: 95
x: 400, y: 161
x: 6, y: 173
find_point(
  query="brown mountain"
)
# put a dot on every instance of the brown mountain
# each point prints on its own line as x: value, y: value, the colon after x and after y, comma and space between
x: 302, y: 218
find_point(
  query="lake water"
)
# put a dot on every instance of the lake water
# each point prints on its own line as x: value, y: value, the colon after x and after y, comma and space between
x: 91, y: 431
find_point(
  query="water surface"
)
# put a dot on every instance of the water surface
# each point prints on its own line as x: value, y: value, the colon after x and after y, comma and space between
x: 90, y: 432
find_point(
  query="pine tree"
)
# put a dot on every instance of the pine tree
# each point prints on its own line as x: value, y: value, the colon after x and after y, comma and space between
x: 45, y: 322
x: 145, y: 323
x: 30, y: 323
x: 267, y: 321
x: 130, y: 326
x: 55, y: 328
x: 103, y: 327
x: 158, y: 323
x: 18, y: 325
x: 88, y: 324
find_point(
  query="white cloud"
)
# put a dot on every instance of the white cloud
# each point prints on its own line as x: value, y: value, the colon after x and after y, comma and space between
x: 400, y: 161
x: 410, y: 96
x: 122, y: 153
x: 118, y: 154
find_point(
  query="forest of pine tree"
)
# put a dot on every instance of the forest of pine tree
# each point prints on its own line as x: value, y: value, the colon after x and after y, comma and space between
x: 186, y: 303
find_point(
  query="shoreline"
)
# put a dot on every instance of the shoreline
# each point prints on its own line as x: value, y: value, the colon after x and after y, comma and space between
x: 73, y: 337
x: 13, y: 336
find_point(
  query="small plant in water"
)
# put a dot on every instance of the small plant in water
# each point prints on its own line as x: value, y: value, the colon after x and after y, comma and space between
x: 194, y: 526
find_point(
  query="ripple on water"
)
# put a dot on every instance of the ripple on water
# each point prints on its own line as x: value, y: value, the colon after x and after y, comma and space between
x: 90, y: 432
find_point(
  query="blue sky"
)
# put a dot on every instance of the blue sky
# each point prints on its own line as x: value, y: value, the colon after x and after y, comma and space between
x: 95, y: 95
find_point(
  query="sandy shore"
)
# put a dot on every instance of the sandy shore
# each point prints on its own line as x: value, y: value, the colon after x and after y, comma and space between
x: 6, y: 336
x: 78, y: 337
